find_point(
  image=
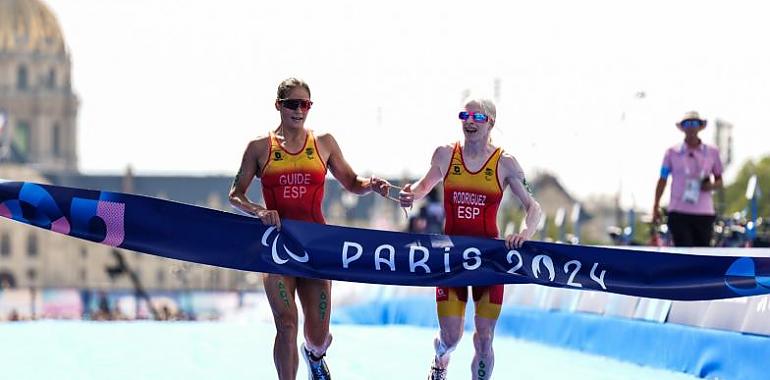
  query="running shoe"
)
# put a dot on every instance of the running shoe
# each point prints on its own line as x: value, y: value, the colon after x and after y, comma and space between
x: 437, y: 373
x: 316, y: 367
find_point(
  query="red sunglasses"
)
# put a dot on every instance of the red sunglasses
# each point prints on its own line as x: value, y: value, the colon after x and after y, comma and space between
x: 293, y: 104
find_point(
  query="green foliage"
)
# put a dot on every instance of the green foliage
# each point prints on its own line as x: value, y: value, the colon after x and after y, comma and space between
x: 510, y: 213
x: 735, y: 193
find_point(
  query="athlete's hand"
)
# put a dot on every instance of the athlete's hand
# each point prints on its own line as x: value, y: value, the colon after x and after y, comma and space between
x: 406, y: 196
x: 380, y: 186
x: 514, y: 240
x: 269, y: 218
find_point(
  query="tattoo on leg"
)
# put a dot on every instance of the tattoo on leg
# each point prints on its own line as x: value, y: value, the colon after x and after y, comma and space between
x: 323, y: 306
x: 282, y: 293
x: 481, y: 374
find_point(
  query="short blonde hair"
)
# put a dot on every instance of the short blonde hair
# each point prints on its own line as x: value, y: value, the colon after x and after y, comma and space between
x: 486, y: 104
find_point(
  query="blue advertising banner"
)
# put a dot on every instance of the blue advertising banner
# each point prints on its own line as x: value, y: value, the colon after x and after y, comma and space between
x: 207, y: 236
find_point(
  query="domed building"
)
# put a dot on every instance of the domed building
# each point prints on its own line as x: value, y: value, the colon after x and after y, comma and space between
x: 38, y: 130
x: 38, y: 109
x: 38, y: 112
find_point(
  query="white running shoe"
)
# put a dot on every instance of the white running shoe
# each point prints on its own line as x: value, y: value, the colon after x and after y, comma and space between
x: 316, y: 369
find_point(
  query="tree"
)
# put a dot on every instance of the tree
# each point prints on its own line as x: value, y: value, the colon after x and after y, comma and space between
x: 735, y: 193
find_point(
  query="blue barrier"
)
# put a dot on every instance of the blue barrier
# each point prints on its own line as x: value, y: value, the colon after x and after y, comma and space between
x: 702, y: 352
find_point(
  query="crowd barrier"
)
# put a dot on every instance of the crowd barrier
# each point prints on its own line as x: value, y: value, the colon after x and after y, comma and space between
x: 28, y: 304
x: 724, y: 339
x: 712, y: 339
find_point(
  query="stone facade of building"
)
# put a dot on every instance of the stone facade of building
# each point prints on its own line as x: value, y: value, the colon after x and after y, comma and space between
x: 38, y: 143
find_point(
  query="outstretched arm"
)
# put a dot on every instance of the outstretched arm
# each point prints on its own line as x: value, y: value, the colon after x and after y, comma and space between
x: 341, y: 170
x: 439, y: 164
x: 513, y: 177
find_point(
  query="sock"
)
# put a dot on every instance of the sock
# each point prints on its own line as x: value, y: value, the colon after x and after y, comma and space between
x: 312, y: 353
x: 441, y: 348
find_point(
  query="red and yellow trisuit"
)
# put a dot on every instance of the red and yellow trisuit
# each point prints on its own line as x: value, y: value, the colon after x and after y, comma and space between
x: 471, y: 200
x: 293, y: 182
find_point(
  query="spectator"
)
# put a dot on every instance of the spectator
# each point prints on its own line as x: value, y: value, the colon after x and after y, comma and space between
x: 696, y: 170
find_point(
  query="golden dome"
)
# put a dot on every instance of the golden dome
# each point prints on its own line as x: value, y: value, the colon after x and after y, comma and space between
x: 28, y: 26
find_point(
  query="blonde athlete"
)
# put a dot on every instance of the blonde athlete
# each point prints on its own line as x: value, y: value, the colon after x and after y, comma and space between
x: 475, y: 174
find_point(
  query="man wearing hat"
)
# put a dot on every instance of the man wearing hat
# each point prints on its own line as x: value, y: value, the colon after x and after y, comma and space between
x: 696, y: 170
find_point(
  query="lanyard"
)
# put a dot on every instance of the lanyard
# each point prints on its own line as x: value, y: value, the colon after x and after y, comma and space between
x: 693, y: 156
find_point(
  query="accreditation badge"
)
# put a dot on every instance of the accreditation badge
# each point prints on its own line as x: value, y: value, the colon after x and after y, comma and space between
x: 691, y: 190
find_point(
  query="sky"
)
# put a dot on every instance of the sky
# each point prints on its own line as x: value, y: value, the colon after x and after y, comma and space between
x: 181, y: 86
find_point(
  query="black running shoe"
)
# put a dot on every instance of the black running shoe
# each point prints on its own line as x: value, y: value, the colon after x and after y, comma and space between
x: 437, y: 373
x: 316, y: 369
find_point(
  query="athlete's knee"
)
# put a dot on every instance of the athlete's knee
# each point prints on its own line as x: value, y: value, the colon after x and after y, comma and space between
x: 451, y: 337
x: 286, y: 323
x: 482, y: 342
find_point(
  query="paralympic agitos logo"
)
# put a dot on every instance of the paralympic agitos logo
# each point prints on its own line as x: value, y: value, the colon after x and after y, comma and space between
x: 274, y: 248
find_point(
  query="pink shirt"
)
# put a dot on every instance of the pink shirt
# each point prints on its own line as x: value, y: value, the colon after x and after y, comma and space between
x: 685, y: 163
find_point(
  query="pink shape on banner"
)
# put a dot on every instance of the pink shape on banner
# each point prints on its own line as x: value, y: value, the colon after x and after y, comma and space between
x: 5, y: 212
x: 61, y: 226
x: 113, y: 214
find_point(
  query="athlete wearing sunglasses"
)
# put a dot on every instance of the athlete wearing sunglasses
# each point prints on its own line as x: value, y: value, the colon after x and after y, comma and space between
x: 692, y: 165
x: 475, y: 116
x: 294, y: 104
x: 291, y: 162
x: 475, y: 173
